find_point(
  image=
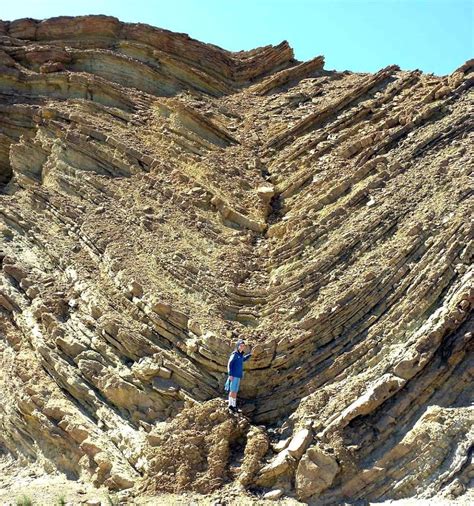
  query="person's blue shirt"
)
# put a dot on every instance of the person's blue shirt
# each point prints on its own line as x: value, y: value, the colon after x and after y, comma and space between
x: 235, y: 367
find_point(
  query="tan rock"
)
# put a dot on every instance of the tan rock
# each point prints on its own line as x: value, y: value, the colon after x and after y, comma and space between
x: 280, y: 466
x: 266, y: 193
x: 146, y: 368
x: 273, y: 495
x: 164, y: 372
x: 315, y: 473
x: 161, y: 308
x: 195, y: 327
x: 93, y: 502
x: 281, y: 445
x: 299, y: 442
x: 135, y: 289
x: 7, y: 303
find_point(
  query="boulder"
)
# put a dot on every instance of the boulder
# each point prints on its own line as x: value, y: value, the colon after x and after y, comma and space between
x: 315, y: 473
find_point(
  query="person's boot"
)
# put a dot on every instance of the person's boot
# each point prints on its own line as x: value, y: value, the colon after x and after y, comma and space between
x: 231, y: 409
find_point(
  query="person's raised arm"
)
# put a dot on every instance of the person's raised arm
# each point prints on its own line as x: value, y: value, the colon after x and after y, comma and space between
x: 249, y: 354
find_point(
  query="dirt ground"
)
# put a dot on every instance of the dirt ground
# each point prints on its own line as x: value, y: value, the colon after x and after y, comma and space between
x: 17, y: 485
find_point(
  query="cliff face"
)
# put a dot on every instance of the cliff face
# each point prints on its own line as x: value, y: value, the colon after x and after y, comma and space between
x: 161, y: 197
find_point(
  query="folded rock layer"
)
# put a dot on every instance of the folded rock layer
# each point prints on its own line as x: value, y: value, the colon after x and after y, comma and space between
x: 161, y: 197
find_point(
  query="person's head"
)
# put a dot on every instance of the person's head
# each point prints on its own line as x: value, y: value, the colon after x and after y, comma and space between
x: 240, y: 345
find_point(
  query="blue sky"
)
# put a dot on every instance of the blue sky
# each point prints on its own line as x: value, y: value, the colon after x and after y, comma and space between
x: 360, y: 35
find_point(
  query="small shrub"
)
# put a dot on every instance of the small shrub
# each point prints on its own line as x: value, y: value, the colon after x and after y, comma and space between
x: 113, y: 501
x: 24, y: 501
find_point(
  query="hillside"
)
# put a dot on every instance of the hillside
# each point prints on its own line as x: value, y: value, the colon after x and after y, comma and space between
x: 161, y: 197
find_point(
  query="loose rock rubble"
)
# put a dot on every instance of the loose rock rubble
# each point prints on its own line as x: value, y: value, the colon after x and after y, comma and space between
x: 160, y: 197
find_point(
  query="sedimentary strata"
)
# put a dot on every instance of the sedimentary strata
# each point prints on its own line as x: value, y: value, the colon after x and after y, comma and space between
x: 161, y: 197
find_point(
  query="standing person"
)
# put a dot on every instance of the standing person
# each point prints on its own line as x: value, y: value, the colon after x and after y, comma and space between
x: 235, y: 369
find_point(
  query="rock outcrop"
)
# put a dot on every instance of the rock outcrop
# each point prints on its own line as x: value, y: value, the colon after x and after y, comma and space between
x: 161, y: 197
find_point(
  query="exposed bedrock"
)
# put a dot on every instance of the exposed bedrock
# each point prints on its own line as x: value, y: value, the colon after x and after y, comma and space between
x: 161, y: 197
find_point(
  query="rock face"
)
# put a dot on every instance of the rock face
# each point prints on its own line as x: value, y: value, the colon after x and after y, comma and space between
x: 161, y: 197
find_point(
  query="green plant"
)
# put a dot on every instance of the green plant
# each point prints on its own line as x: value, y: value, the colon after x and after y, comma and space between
x: 24, y: 501
x: 113, y: 501
x: 62, y: 501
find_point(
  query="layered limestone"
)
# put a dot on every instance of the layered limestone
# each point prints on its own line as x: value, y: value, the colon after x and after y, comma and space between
x: 161, y: 197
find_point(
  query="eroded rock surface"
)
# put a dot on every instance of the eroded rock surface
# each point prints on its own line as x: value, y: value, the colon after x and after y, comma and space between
x: 161, y: 197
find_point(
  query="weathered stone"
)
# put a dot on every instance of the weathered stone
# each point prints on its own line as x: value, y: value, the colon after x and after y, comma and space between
x: 282, y: 444
x: 195, y: 327
x: 146, y: 368
x: 15, y: 271
x: 273, y: 495
x: 281, y: 465
x: 164, y: 372
x: 315, y: 473
x: 6, y: 302
x: 299, y: 442
x: 265, y: 193
x: 135, y: 289
x: 93, y: 502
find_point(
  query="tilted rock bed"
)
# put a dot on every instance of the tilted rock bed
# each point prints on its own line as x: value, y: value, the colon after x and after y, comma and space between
x: 161, y: 197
